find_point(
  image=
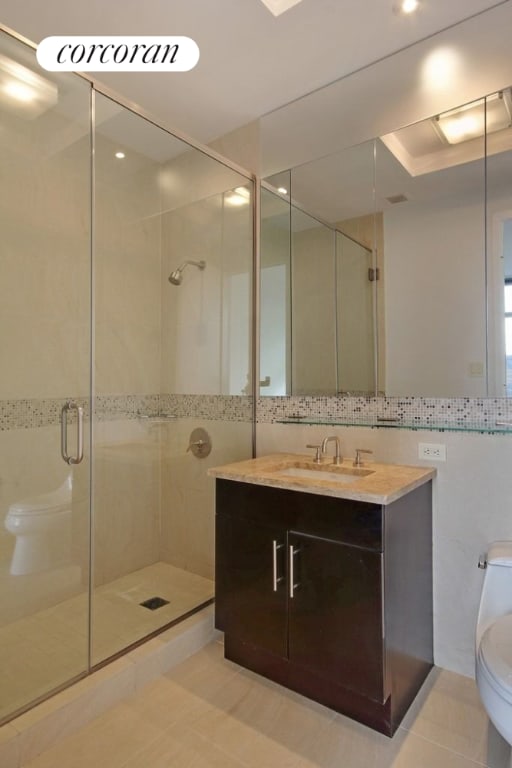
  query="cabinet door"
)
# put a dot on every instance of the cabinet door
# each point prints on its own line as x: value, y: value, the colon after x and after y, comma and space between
x: 335, y: 614
x: 250, y: 583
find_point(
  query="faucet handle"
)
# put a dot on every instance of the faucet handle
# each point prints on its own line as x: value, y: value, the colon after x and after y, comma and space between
x: 357, y: 460
x: 318, y: 449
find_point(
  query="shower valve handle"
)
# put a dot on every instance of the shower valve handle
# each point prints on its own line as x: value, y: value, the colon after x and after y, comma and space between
x: 199, y: 443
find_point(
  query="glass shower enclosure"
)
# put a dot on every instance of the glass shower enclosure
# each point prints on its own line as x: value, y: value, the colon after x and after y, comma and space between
x: 125, y: 348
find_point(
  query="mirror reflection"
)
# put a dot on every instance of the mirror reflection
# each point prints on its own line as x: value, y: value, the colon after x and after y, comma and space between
x: 397, y: 263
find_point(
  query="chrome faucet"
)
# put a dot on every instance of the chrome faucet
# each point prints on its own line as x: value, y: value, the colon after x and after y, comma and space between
x: 338, y: 458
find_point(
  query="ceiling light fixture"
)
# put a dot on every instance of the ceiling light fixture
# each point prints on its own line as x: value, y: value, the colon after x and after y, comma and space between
x: 471, y: 121
x: 454, y: 137
x: 409, y: 6
x: 277, y: 7
x: 282, y: 190
x: 120, y: 155
x: 238, y: 196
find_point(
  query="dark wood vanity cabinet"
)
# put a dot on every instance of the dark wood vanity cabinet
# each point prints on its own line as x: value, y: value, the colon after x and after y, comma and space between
x: 246, y: 603
x: 335, y: 617
x: 329, y: 597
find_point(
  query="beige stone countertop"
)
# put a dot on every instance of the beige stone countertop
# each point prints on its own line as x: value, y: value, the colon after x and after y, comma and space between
x: 372, y: 482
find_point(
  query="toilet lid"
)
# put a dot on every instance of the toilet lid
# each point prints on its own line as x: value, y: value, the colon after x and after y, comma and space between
x: 495, y: 653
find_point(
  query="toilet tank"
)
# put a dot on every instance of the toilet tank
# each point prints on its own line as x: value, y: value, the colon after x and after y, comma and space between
x: 496, y: 597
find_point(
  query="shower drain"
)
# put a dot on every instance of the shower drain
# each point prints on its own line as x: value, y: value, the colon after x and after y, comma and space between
x: 154, y: 602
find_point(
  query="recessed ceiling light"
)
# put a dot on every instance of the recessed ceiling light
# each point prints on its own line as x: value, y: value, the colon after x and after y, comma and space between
x: 282, y: 190
x: 409, y: 6
x: 277, y: 7
x: 120, y: 155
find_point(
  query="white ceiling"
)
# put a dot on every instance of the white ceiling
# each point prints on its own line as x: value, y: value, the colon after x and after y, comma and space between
x: 251, y: 62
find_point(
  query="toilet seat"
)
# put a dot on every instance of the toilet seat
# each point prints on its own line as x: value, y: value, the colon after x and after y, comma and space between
x: 31, y: 507
x: 495, y: 656
x: 44, y: 504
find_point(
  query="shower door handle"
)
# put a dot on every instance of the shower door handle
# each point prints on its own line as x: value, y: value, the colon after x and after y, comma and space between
x: 79, y: 433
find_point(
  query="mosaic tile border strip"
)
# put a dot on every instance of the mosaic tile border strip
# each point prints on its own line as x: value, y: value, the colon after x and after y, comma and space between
x: 34, y: 413
x: 465, y: 413
x: 118, y: 407
x: 216, y: 407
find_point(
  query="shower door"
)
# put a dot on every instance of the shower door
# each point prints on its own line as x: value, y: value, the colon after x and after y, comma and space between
x: 45, y: 277
x: 172, y: 292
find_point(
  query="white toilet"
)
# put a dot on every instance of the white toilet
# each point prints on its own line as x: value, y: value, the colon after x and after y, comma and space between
x: 494, y: 638
x: 38, y: 522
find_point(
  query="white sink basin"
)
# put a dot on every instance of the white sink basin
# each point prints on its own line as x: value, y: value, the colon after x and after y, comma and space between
x: 334, y: 475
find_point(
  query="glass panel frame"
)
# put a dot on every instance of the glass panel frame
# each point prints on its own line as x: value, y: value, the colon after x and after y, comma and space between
x: 45, y: 328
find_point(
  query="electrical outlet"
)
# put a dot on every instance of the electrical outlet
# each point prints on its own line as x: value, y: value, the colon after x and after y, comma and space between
x: 432, y: 451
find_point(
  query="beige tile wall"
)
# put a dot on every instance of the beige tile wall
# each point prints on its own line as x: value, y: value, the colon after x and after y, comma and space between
x: 126, y: 501
x: 45, y: 286
x: 191, y: 312
x: 188, y: 494
x: 193, y: 176
x: 197, y: 316
x: 126, y: 273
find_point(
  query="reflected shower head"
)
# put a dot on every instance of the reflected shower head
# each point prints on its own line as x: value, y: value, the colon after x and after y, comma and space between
x: 176, y: 277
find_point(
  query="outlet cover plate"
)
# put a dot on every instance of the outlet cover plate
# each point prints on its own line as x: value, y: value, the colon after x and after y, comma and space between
x: 432, y: 451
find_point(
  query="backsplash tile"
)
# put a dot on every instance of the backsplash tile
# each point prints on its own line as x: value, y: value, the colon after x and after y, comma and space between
x: 437, y: 413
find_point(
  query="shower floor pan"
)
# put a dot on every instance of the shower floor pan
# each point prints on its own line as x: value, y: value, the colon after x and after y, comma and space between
x: 43, y: 651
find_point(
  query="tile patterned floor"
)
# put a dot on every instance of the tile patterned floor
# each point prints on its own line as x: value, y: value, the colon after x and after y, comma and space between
x: 40, y: 652
x: 210, y: 713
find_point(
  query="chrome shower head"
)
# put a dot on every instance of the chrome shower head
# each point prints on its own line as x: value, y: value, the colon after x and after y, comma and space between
x: 177, y: 275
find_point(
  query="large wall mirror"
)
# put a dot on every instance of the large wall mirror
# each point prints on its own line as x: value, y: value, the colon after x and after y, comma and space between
x: 387, y: 268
